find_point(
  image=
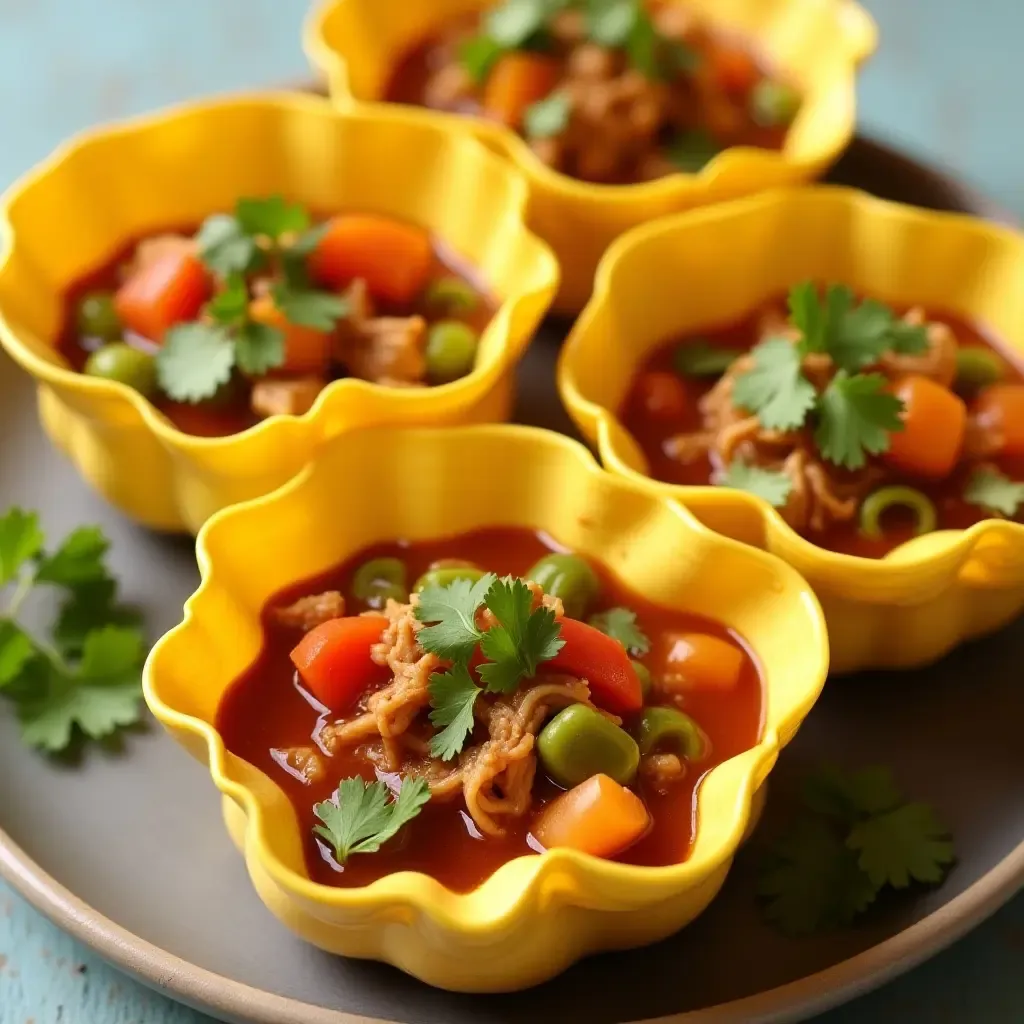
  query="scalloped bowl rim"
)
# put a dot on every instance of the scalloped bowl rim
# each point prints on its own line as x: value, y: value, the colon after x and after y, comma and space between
x: 162, y: 428
x: 528, y: 872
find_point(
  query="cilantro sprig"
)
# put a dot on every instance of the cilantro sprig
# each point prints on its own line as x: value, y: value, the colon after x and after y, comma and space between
x: 361, y: 817
x: 85, y: 678
x: 855, y: 836
x: 620, y: 624
x: 513, y: 649
x: 995, y: 493
x: 773, y: 485
x: 854, y: 416
x: 198, y: 358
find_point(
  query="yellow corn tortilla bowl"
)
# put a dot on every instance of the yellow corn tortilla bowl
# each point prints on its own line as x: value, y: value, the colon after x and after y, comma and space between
x: 711, y: 267
x: 819, y: 44
x: 172, y: 169
x: 537, y: 914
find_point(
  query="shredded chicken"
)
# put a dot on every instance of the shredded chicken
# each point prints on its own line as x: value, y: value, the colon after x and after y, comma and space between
x: 303, y: 763
x: 309, y: 612
x: 272, y: 396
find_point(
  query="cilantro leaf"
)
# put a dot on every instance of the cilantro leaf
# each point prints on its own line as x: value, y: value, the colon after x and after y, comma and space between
x: 307, y: 241
x: 990, y: 490
x: 692, y: 151
x: 515, y: 21
x: 620, y: 624
x: 903, y: 845
x: 78, y: 560
x: 811, y: 880
x: 848, y: 797
x: 453, y: 695
x: 808, y: 315
x: 775, y: 387
x: 773, y: 485
x: 361, y: 817
x: 16, y: 650
x: 548, y: 117
x: 226, y: 248
x: 230, y: 305
x: 856, y: 417
x: 699, y: 359
x: 308, y: 308
x: 860, y: 336
x: 478, y: 56
x: 908, y: 339
x: 611, y: 22
x: 21, y: 539
x: 195, y: 361
x: 271, y: 217
x: 259, y: 348
x: 89, y: 606
x: 452, y: 611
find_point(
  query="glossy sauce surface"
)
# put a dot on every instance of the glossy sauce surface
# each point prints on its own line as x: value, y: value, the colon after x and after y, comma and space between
x: 266, y: 710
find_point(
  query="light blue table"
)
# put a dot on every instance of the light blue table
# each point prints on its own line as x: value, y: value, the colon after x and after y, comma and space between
x: 947, y: 85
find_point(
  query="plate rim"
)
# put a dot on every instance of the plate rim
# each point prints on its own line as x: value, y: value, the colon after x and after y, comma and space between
x: 228, y: 999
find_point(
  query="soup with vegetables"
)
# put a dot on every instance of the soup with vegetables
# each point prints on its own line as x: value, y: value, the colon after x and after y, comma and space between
x: 863, y: 426
x: 444, y: 707
x: 254, y: 313
x: 609, y: 91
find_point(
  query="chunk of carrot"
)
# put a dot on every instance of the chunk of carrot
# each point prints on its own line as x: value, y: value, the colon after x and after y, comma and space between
x: 394, y: 259
x: 698, y: 661
x: 934, y: 421
x: 598, y: 817
x: 306, y: 350
x: 170, y: 290
x: 1000, y: 409
x: 516, y: 82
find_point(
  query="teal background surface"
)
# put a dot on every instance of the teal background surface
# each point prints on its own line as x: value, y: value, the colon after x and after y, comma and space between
x: 946, y: 85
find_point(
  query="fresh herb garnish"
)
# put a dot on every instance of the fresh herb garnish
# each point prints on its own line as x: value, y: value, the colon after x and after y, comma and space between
x: 87, y: 676
x: 855, y: 835
x: 620, y: 624
x: 990, y: 490
x: 514, y: 648
x: 692, y: 151
x: 772, y: 485
x: 855, y: 418
x: 775, y: 387
x: 478, y: 56
x: 516, y: 22
x: 699, y: 359
x: 548, y: 117
x: 361, y: 817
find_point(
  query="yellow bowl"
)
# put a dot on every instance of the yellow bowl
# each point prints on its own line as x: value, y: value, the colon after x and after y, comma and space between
x: 537, y: 914
x: 712, y: 266
x: 94, y: 194
x: 820, y: 44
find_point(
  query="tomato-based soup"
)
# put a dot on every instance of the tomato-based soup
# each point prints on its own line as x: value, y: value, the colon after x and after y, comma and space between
x: 617, y: 104
x: 270, y: 711
x: 219, y: 344
x: 681, y: 410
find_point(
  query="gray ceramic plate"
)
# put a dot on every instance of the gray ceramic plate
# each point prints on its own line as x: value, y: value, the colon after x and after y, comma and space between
x: 129, y: 854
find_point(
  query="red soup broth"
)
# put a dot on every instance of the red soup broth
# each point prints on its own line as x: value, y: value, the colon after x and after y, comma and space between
x: 267, y: 709
x: 651, y: 432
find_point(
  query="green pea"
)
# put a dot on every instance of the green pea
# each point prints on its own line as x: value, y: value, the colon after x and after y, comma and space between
x: 569, y: 578
x: 579, y: 742
x: 774, y: 104
x: 451, y: 351
x: 877, y: 504
x: 377, y: 580
x: 447, y: 576
x: 671, y: 730
x: 124, y: 364
x: 452, y: 294
x: 97, y: 317
x: 978, y: 367
x: 643, y: 673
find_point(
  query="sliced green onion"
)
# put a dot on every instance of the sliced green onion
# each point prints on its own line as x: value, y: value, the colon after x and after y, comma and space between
x: 978, y: 367
x: 877, y: 504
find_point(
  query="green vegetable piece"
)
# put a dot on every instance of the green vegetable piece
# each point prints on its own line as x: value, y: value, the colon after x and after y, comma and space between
x: 569, y: 578
x: 579, y: 743
x: 774, y: 104
x: 877, y: 504
x: 451, y: 351
x: 978, y: 367
x: 97, y: 317
x: 670, y: 730
x: 452, y: 294
x: 692, y: 151
x: 643, y: 673
x: 446, y: 576
x: 379, y: 579
x: 124, y: 364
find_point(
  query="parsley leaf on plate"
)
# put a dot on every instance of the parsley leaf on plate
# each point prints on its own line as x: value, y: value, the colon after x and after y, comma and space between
x: 620, y: 624
x: 453, y: 695
x: 991, y: 490
x: 16, y: 650
x: 362, y: 816
x: 699, y: 359
x: 89, y: 606
x: 310, y: 308
x: 78, y: 560
x: 906, y: 844
x: 548, y: 117
x: 450, y: 613
x: 846, y: 797
x: 856, y: 415
x: 195, y: 361
x: 773, y: 485
x: 775, y: 387
x: 20, y: 539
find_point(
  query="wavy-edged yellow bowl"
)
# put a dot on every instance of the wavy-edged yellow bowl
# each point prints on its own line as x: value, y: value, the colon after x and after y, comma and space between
x: 537, y: 914
x: 712, y: 266
x: 820, y: 44
x: 172, y: 169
